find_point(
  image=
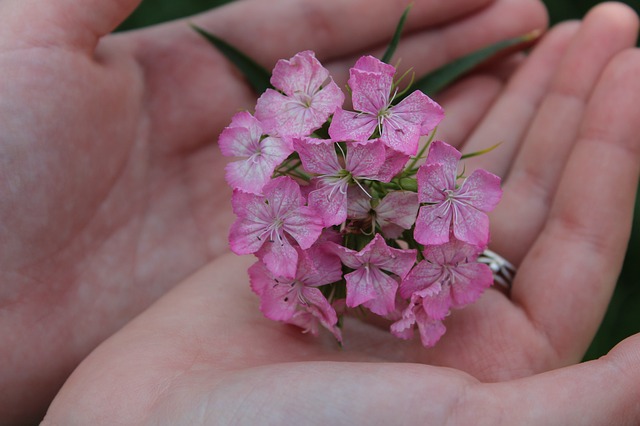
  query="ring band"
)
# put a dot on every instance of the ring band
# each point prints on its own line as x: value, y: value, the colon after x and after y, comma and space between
x: 503, y: 270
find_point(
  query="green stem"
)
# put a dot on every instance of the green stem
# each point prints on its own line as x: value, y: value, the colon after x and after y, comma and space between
x: 414, y: 160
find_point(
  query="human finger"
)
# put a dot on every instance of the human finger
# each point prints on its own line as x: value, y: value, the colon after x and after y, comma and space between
x: 331, y: 28
x: 567, y: 277
x: 601, y: 392
x: 533, y: 177
x: 425, y: 50
x: 61, y: 23
x: 508, y: 119
x: 188, y: 79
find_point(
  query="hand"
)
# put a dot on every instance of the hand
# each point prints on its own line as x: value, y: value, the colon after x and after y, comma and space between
x: 111, y: 188
x: 570, y: 159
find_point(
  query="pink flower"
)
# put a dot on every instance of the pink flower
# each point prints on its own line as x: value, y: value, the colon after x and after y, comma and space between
x: 394, y: 163
x: 400, y: 126
x: 265, y: 223
x: 449, y: 277
x: 243, y: 138
x: 431, y: 330
x: 452, y: 276
x: 368, y: 285
x: 465, y: 206
x: 329, y: 197
x: 394, y: 213
x: 308, y: 97
x: 297, y: 300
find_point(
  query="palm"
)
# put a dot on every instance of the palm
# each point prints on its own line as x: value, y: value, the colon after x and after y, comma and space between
x: 209, y: 335
x: 135, y: 165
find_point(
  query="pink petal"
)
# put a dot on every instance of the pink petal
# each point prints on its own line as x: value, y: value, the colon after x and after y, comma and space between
x: 283, y: 195
x: 370, y: 91
x: 372, y: 64
x: 284, y: 116
x: 325, y: 102
x: 481, y: 190
x: 393, y: 260
x: 403, y: 328
x: 319, y: 158
x: 304, y: 225
x: 330, y: 204
x: 442, y: 152
x: 317, y: 267
x: 437, y: 305
x: 394, y: 162
x: 397, y: 208
x: 449, y: 157
x: 471, y: 281
x: 433, y: 224
x: 351, y: 126
x: 241, y: 137
x: 430, y: 330
x: 470, y: 225
x: 318, y: 305
x: 358, y: 203
x: 238, y: 142
x: 364, y: 160
x: 424, y: 276
x: 280, y: 258
x: 373, y: 288
x: 403, y: 128
x: 400, y: 136
x: 278, y: 299
x: 306, y: 104
x: 248, y: 176
x: 302, y: 73
x: 433, y: 180
x: 435, y: 114
x: 244, y: 236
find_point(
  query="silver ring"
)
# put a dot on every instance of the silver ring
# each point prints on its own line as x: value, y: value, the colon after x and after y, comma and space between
x: 503, y: 270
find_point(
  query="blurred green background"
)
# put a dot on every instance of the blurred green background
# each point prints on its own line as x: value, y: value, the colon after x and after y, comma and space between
x: 623, y: 316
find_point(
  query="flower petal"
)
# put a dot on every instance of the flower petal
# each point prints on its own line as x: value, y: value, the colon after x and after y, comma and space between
x: 364, y: 160
x: 302, y: 73
x: 373, y: 288
x: 481, y: 190
x: 351, y: 126
x: 280, y: 257
x: 278, y: 297
x: 304, y: 225
x: 370, y: 91
x: 424, y: 276
x: 471, y: 281
x: 470, y: 225
x: 433, y: 224
x: 319, y: 158
x: 394, y: 162
x: 330, y: 202
x: 397, y: 208
x: 430, y: 330
x: 433, y: 181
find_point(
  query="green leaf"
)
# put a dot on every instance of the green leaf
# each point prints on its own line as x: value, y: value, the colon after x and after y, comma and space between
x: 442, y: 77
x: 258, y: 77
x: 481, y: 152
x: 388, y: 54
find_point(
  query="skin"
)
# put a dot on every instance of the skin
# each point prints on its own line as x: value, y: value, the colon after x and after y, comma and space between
x: 111, y: 194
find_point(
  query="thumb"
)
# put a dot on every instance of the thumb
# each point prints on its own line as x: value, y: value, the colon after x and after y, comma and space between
x: 604, y: 391
x: 60, y: 23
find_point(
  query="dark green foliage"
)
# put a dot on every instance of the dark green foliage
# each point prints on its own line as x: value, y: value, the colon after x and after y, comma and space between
x: 388, y: 54
x: 257, y: 76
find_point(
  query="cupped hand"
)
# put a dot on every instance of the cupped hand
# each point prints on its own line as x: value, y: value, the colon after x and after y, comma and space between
x: 203, y: 354
x: 111, y: 188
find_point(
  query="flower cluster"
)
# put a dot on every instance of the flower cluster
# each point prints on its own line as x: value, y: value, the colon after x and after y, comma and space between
x: 340, y: 214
